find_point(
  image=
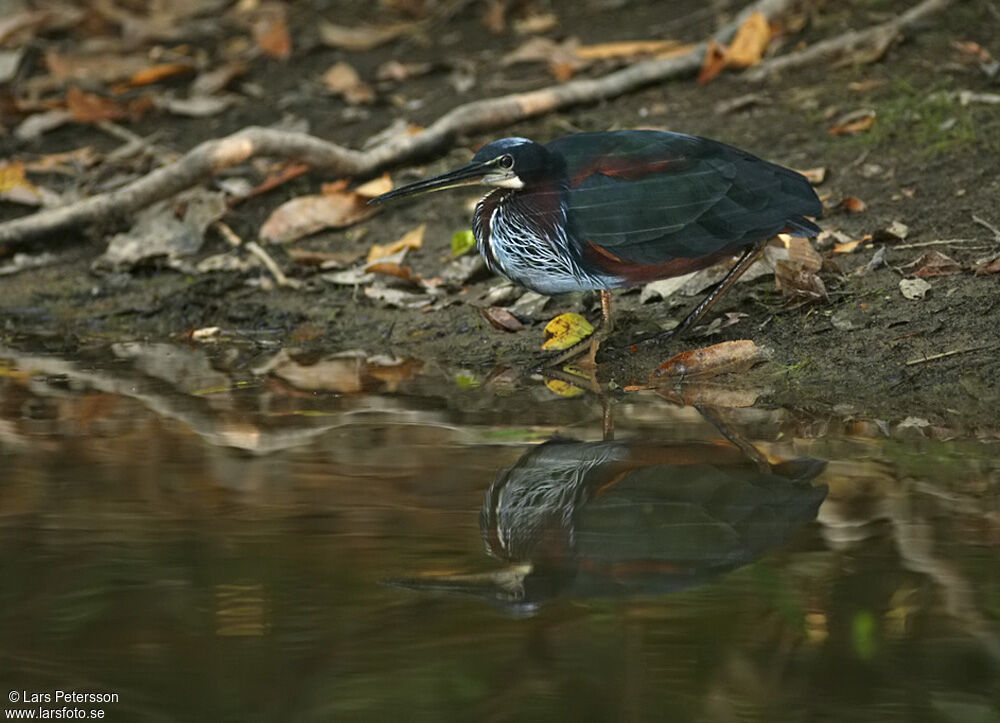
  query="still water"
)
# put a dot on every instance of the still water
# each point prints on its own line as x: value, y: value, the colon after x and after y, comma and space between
x: 216, y: 535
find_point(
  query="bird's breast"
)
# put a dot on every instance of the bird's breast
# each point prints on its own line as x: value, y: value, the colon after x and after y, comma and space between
x: 524, y: 235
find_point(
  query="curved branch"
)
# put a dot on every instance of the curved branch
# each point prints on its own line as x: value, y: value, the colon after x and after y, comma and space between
x: 875, y: 39
x: 211, y: 157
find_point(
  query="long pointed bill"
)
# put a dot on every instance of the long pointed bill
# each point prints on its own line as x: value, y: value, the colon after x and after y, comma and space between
x: 465, y: 176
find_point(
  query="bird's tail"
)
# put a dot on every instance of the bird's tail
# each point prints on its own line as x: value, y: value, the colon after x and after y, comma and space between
x: 802, y: 226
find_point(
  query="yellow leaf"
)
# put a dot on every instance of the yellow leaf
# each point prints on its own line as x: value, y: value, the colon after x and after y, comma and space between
x: 565, y: 331
x: 750, y: 42
x: 410, y: 240
x: 15, y: 186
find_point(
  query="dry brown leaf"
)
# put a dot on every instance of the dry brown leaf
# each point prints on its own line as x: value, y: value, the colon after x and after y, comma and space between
x: 536, y: 24
x: 931, y: 264
x: 270, y: 32
x: 863, y: 86
x: 626, y: 49
x: 851, y: 204
x: 94, y: 67
x: 972, y: 51
x: 502, y: 319
x: 395, y: 71
x: 216, y: 80
x: 746, y: 49
x: 68, y: 162
x: 714, y: 62
x: 560, y: 57
x: 798, y: 284
x: 798, y: 251
x: 362, y: 37
x: 309, y: 214
x: 725, y: 358
x: 412, y: 239
x: 375, y: 187
x: 156, y: 73
x: 284, y: 173
x: 988, y: 266
x: 90, y: 108
x: 854, y: 123
x: 750, y: 42
x: 815, y: 176
x: 344, y: 80
x: 396, y: 270
x: 846, y: 247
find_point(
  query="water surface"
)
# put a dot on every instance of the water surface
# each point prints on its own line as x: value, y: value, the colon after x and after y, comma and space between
x: 216, y: 536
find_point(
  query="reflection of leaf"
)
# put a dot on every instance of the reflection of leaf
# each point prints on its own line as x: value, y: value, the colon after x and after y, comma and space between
x: 863, y: 631
x: 565, y: 331
x: 562, y: 388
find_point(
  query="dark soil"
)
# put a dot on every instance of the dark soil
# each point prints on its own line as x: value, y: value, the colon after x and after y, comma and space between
x: 929, y: 162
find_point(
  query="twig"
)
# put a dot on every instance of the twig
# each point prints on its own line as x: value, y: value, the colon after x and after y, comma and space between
x: 942, y: 355
x: 279, y: 276
x: 214, y: 156
x: 875, y: 40
x: 253, y: 247
x: 940, y: 242
x: 987, y: 224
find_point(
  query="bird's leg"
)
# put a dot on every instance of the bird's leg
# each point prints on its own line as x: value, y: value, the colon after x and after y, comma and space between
x: 745, y: 261
x: 606, y: 322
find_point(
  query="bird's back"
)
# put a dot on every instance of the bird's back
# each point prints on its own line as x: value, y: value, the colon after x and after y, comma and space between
x: 659, y: 203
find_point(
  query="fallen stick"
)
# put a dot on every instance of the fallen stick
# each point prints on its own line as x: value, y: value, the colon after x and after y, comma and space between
x: 874, y: 40
x: 214, y: 156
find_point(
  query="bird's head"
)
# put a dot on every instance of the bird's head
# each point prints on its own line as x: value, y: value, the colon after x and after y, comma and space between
x: 506, y: 163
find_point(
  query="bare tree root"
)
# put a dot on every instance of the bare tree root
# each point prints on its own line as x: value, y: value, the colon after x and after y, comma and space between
x: 872, y: 42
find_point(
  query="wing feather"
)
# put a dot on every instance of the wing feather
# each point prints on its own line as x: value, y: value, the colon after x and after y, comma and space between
x: 651, y: 197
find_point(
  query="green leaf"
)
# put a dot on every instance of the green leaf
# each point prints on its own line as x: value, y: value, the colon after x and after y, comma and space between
x: 462, y: 241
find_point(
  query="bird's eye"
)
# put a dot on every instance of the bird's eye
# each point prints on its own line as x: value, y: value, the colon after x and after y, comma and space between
x: 506, y: 161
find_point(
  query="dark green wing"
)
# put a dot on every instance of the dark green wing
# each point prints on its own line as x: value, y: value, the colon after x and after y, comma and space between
x: 650, y: 197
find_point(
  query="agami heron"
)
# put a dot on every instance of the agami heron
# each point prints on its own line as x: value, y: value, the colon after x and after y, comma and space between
x: 601, y: 211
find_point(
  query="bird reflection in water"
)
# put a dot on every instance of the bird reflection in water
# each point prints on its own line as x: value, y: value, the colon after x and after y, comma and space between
x: 606, y: 519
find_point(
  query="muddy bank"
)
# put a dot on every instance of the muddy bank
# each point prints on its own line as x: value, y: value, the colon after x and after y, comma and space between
x: 929, y: 162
